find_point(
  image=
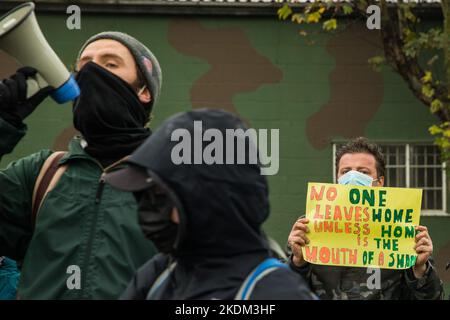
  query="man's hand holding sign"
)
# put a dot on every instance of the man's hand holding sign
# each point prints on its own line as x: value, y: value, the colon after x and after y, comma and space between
x: 423, y: 246
x: 424, y: 249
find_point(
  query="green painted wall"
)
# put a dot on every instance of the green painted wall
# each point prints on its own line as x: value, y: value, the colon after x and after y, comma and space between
x: 305, y: 86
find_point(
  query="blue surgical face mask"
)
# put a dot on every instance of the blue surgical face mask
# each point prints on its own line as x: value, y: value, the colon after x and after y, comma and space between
x: 356, y: 178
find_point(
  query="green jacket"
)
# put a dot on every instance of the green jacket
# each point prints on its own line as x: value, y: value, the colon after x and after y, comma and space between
x: 83, y: 225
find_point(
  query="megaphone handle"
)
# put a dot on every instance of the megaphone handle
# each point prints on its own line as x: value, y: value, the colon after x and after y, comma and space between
x: 34, y: 84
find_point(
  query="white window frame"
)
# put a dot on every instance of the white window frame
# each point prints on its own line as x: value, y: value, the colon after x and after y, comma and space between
x: 428, y: 213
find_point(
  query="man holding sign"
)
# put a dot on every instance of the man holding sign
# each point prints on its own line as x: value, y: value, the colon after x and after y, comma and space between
x: 363, y: 242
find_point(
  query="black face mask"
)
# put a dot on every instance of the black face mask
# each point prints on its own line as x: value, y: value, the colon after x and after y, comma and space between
x: 108, y: 113
x: 154, y: 218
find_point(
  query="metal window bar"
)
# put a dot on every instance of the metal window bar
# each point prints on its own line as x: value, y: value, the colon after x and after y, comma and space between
x: 444, y: 187
x: 434, y: 171
x: 334, y: 163
x: 397, y: 160
x: 429, y: 168
x: 425, y: 175
x: 395, y: 165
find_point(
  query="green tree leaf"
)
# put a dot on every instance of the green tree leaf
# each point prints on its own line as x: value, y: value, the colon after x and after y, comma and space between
x: 446, y: 133
x: 436, y: 105
x: 434, y: 130
x: 298, y: 18
x: 408, y: 14
x: 330, y: 25
x: 443, y: 142
x: 427, y: 91
x: 284, y: 12
x: 376, y: 62
x: 313, y: 17
x: 347, y: 9
x: 427, y: 77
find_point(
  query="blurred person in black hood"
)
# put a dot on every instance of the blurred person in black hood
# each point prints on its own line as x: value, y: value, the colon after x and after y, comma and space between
x: 205, y: 219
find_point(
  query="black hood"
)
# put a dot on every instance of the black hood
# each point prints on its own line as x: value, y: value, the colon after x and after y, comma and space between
x: 222, y: 206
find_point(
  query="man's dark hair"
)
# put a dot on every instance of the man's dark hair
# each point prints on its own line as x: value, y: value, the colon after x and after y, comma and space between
x: 140, y: 80
x: 362, y: 145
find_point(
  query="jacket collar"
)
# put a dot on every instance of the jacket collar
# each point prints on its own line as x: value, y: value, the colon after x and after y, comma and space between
x: 76, y: 151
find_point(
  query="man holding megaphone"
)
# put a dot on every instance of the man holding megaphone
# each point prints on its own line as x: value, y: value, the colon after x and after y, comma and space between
x: 76, y: 237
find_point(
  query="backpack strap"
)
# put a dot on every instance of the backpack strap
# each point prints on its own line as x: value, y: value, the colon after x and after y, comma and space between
x: 49, y: 175
x: 263, y: 269
x: 160, y: 281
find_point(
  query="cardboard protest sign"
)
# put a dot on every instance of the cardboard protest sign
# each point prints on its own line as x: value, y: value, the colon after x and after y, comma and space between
x: 362, y: 226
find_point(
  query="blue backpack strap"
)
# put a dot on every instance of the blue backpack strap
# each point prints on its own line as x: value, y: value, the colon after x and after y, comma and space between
x: 9, y: 279
x: 263, y: 269
x: 160, y: 281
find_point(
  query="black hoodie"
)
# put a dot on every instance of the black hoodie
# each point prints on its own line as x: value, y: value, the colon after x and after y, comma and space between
x: 222, y: 208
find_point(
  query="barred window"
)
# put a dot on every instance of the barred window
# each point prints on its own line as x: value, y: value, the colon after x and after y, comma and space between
x: 416, y: 166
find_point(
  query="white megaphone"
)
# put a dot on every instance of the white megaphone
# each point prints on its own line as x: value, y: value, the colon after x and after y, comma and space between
x: 22, y: 39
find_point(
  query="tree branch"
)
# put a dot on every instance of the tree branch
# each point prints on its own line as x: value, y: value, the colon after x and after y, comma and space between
x: 408, y: 67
